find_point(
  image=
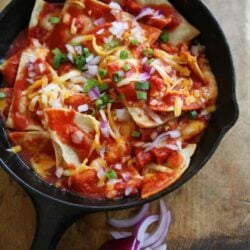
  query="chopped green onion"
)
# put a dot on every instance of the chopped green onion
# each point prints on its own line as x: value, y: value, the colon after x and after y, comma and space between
x: 59, y: 57
x: 54, y: 19
x: 86, y: 52
x: 192, y: 115
x: 99, y: 103
x: 103, y: 73
x: 141, y: 95
x: 134, y: 42
x: 126, y: 67
x: 136, y: 134
x: 142, y: 85
x: 90, y: 84
x: 57, y: 61
x: 75, y: 43
x: 2, y: 95
x: 80, y: 62
x: 103, y: 87
x: 111, y: 174
x: 148, y: 52
x: 164, y: 37
x: 118, y: 76
x: 106, y: 98
x: 124, y: 54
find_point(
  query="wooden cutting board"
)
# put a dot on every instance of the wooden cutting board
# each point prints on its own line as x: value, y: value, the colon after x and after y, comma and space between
x: 212, y: 211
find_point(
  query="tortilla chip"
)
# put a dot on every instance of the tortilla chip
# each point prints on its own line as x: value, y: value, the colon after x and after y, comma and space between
x: 184, y: 32
x: 20, y: 118
x: 40, y: 24
x: 157, y: 181
x: 73, y: 139
x: 143, y: 119
x: 36, y: 149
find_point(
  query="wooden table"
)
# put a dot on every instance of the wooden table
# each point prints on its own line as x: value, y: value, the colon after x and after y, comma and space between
x: 212, y: 211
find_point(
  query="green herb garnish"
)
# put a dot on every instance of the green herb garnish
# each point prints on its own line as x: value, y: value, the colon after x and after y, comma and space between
x: 142, y: 85
x: 103, y: 73
x: 111, y: 174
x: 148, y: 52
x: 54, y: 19
x: 118, y: 76
x: 141, y: 95
x: 136, y: 134
x: 126, y: 67
x: 123, y: 54
x: 164, y: 37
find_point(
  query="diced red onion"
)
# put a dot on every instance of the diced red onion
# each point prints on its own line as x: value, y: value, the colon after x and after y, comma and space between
x: 94, y: 93
x: 41, y: 67
x: 144, y: 226
x: 83, y: 108
x: 174, y: 134
x: 130, y: 222
x: 105, y: 128
x: 114, y: 5
x: 95, y: 60
x: 128, y: 191
x: 118, y: 166
x: 119, y: 235
x: 59, y: 172
x: 144, y: 60
x: 146, y: 68
x: 101, y: 173
x: 145, y: 12
x: 126, y: 176
x: 99, y: 32
x: 70, y: 48
x: 144, y: 76
x: 92, y: 69
x: 99, y: 21
x: 89, y: 58
x: 78, y: 49
x: 70, y: 57
x: 164, y: 221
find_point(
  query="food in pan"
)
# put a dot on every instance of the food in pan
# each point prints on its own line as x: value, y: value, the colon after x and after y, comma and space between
x: 107, y: 99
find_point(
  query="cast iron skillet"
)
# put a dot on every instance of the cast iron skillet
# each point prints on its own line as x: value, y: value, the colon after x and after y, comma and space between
x: 56, y: 210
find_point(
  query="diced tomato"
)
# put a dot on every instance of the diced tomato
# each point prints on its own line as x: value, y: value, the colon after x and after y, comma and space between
x: 142, y: 158
x: 169, y: 99
x: 85, y: 183
x: 20, y: 120
x: 10, y: 69
x: 157, y: 85
x: 129, y: 92
x: 174, y: 160
x: 161, y: 154
x: 112, y: 68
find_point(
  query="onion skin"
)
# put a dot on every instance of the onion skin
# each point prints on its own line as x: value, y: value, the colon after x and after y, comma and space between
x: 128, y: 243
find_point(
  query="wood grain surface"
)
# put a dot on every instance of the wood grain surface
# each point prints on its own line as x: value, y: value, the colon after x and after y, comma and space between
x: 212, y: 211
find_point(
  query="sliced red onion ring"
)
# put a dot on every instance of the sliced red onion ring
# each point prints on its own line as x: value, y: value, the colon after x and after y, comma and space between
x: 164, y: 232
x: 105, y: 128
x: 130, y: 222
x: 164, y: 221
x: 94, y: 93
x: 144, y: 226
x: 145, y: 12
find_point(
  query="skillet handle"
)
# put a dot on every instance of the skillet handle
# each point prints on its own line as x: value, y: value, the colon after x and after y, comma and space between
x: 53, y: 218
